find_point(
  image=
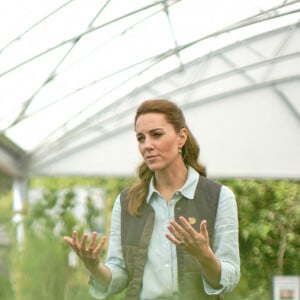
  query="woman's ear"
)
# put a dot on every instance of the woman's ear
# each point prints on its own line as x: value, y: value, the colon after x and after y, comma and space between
x: 182, y: 137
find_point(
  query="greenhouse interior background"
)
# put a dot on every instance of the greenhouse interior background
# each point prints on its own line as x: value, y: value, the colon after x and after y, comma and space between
x: 72, y: 74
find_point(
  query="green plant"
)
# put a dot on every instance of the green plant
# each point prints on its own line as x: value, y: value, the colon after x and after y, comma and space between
x: 41, y: 268
x: 269, y: 217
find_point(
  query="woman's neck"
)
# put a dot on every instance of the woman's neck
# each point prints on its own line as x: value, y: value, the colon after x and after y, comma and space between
x: 167, y: 182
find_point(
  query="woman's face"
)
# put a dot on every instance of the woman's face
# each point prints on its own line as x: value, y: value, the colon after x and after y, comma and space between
x: 158, y: 142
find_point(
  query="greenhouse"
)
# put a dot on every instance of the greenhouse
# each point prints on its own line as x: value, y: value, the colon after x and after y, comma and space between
x: 72, y: 74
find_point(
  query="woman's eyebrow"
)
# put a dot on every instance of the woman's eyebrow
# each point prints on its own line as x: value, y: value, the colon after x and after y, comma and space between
x: 155, y: 129
x: 151, y: 130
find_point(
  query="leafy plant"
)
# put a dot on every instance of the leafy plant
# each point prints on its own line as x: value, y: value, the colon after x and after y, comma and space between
x: 41, y: 269
x: 269, y: 219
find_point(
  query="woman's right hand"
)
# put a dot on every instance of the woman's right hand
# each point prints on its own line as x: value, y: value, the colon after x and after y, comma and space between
x: 90, y: 255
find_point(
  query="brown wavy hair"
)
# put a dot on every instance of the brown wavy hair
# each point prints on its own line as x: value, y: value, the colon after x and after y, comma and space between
x: 137, y: 193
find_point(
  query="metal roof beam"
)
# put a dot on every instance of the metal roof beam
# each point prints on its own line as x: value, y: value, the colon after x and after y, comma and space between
x: 287, y: 102
x: 218, y: 52
x: 48, y: 158
x: 19, y: 36
x: 75, y: 38
x: 52, y: 74
x: 87, y: 125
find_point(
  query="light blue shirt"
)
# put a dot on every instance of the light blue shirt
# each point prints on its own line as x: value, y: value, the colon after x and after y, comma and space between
x: 160, y: 273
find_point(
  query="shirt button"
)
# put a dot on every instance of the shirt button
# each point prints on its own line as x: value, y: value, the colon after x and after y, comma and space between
x: 167, y: 265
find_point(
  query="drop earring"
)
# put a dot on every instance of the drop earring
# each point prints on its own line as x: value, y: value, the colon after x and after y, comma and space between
x: 179, y: 150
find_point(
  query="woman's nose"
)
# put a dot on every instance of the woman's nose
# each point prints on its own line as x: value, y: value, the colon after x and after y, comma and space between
x: 148, y: 144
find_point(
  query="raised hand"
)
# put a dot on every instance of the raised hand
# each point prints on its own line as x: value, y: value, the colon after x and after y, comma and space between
x: 197, y: 244
x: 90, y: 255
x: 184, y: 235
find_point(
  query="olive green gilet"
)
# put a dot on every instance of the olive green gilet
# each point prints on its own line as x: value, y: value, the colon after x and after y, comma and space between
x: 136, y: 234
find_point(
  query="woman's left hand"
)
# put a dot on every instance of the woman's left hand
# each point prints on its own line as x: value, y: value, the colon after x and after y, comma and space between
x: 185, y: 236
x: 197, y: 244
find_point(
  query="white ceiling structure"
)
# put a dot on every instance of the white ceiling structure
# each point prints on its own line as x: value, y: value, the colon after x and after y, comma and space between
x: 73, y: 72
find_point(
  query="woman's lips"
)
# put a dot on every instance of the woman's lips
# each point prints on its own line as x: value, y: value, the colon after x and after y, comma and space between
x: 151, y: 157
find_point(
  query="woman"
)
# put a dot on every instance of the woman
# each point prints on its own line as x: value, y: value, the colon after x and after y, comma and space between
x: 174, y: 235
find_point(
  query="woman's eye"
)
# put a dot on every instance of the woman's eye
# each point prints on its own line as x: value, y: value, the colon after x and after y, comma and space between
x: 157, y: 134
x: 140, y: 138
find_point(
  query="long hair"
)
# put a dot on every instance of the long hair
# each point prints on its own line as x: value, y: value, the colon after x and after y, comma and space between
x: 137, y: 193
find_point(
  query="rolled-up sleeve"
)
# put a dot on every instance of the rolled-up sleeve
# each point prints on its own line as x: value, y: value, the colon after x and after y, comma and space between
x: 114, y: 260
x: 226, y: 243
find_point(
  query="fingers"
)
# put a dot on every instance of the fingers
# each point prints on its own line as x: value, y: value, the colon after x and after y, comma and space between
x: 81, y: 247
x: 83, y: 243
x: 93, y: 241
x: 194, y: 242
x: 173, y: 240
x: 186, y: 225
x: 100, y: 246
x: 178, y: 234
x: 72, y: 241
x: 75, y: 242
x: 189, y: 229
x: 203, y: 228
x: 184, y: 232
x: 68, y: 240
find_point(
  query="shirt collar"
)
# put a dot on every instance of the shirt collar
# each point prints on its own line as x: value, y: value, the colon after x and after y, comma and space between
x: 187, y: 190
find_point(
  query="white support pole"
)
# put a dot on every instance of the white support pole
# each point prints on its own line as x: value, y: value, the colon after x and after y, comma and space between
x: 19, y: 198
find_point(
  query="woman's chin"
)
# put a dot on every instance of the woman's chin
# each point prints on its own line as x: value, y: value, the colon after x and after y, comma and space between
x: 153, y: 167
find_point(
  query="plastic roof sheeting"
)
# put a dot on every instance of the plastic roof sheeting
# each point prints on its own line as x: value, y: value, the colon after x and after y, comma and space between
x: 73, y: 72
